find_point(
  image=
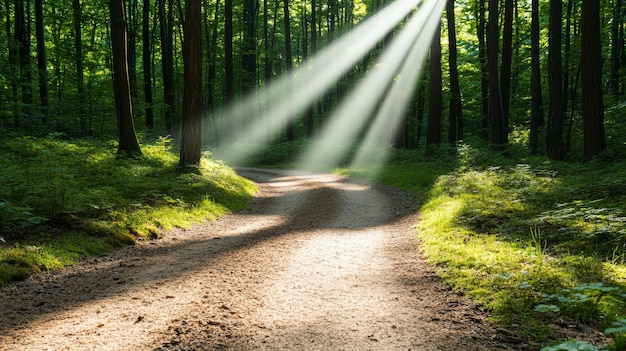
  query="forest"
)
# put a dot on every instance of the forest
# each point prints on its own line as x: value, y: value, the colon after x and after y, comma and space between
x: 123, y: 119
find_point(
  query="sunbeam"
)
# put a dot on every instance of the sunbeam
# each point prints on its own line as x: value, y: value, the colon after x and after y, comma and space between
x: 372, y: 153
x: 352, y: 115
x: 293, y: 93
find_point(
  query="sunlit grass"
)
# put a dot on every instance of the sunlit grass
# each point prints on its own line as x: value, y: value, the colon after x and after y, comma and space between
x: 62, y: 199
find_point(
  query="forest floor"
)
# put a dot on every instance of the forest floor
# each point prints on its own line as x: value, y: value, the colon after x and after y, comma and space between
x: 317, y: 262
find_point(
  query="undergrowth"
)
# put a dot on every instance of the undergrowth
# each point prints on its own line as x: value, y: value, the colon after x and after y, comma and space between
x: 540, y: 244
x: 62, y: 199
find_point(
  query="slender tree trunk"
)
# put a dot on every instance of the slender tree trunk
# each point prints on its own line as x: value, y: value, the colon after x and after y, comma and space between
x: 505, y: 72
x: 288, y: 63
x: 495, y: 98
x: 128, y: 144
x: 42, y: 61
x: 433, y: 134
x: 168, y: 67
x: 591, y: 80
x: 536, y: 114
x: 229, y: 69
x: 147, y: 68
x: 78, y: 57
x: 484, y: 70
x: 455, y: 126
x: 191, y: 143
x: 248, y: 46
x: 616, y: 43
x: 132, y: 19
x: 22, y: 36
x: 554, y: 132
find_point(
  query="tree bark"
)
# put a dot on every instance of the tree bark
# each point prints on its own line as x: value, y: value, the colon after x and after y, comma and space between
x: 505, y: 72
x: 168, y: 66
x: 455, y: 124
x: 536, y: 114
x: 44, y: 95
x: 78, y: 57
x: 288, y: 64
x: 433, y: 133
x: 191, y: 143
x: 554, y: 132
x: 147, y: 67
x: 495, y: 102
x: 22, y: 36
x: 484, y: 70
x: 591, y: 80
x: 128, y: 143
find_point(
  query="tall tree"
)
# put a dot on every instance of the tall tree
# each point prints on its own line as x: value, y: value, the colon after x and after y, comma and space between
x: 288, y: 62
x: 433, y: 133
x: 617, y: 42
x: 78, y: 58
x: 229, y: 68
x: 248, y: 46
x: 128, y: 143
x: 536, y: 110
x: 167, y: 62
x: 22, y: 36
x: 484, y: 69
x: 554, y: 131
x: 591, y: 79
x: 455, y: 118
x: 495, y: 99
x: 505, y: 71
x: 191, y: 143
x: 147, y: 67
x: 41, y: 60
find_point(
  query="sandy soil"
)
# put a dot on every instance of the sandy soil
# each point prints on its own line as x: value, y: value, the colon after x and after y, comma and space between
x: 318, y: 262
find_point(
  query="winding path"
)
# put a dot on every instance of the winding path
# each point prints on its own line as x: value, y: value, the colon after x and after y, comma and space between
x: 318, y: 262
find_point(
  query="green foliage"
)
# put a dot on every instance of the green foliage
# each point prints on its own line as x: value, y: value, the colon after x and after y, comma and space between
x: 70, y: 198
x: 530, y: 239
x: 572, y: 346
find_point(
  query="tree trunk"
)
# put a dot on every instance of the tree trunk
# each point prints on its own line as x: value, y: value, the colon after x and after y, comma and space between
x: 168, y: 67
x: 484, y: 70
x: 147, y: 69
x: 616, y: 43
x: 505, y: 72
x: 229, y: 70
x: 591, y: 80
x: 554, y: 132
x: 288, y: 64
x: 41, y: 61
x: 78, y: 57
x: 495, y: 98
x: 433, y: 134
x: 128, y: 143
x: 22, y: 36
x: 455, y: 129
x: 248, y: 46
x: 132, y: 47
x: 536, y: 114
x: 191, y: 143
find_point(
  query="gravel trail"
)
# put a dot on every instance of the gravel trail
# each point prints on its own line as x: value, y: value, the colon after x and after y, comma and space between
x: 317, y: 262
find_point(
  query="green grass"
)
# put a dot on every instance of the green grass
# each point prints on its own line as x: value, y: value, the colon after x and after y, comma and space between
x: 62, y: 199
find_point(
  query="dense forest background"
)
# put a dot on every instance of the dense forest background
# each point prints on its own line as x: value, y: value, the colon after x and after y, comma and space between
x: 549, y: 74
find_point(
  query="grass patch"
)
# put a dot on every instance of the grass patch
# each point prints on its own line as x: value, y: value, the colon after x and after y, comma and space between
x: 62, y: 199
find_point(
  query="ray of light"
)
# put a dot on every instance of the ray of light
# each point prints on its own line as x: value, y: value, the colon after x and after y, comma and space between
x: 352, y: 115
x: 293, y: 93
x: 372, y: 153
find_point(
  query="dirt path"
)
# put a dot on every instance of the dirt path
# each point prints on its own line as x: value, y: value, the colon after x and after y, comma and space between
x: 318, y: 262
